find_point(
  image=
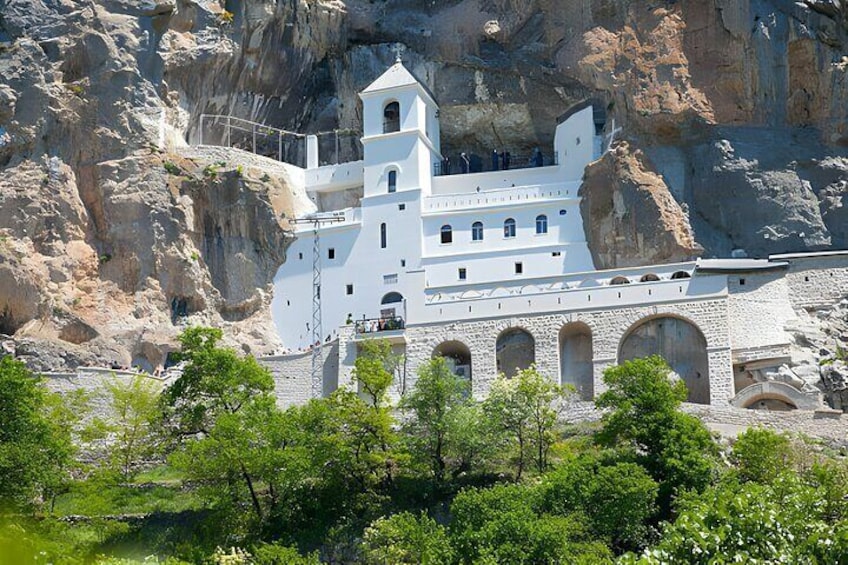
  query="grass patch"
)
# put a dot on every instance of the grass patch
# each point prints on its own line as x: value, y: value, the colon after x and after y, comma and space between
x: 94, y: 499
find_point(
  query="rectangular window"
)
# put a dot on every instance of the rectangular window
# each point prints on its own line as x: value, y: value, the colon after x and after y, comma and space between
x: 331, y: 253
x: 300, y: 256
x: 390, y: 279
x: 403, y: 262
x: 462, y: 273
x: 401, y: 207
x: 349, y: 289
x: 519, y: 268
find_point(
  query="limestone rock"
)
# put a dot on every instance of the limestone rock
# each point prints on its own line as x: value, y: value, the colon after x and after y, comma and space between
x: 631, y: 217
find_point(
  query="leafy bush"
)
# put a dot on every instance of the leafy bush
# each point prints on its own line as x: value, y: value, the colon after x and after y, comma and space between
x: 406, y: 539
x: 761, y: 455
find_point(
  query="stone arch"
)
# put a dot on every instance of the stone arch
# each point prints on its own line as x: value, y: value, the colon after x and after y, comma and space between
x: 391, y: 116
x: 680, y: 342
x: 515, y: 350
x: 458, y: 356
x: 775, y: 396
x: 575, y: 358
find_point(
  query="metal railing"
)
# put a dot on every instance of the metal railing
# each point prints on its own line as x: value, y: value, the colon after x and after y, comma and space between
x: 338, y: 146
x: 474, y: 163
x: 267, y: 141
x: 375, y: 325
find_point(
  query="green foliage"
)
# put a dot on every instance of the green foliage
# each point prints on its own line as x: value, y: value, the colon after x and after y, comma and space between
x: 524, y: 409
x: 406, y: 539
x: 750, y: 522
x: 618, y: 498
x: 761, y: 455
x: 224, y: 415
x: 275, y: 554
x: 35, y: 438
x: 172, y: 168
x: 133, y: 411
x: 642, y: 414
x: 211, y: 171
x: 432, y: 405
x: 502, y: 525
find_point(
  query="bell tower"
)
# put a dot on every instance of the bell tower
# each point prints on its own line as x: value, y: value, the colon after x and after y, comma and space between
x: 400, y: 133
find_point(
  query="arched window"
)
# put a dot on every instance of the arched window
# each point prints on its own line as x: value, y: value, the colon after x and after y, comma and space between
x: 541, y: 224
x: 392, y: 181
x: 391, y: 117
x: 383, y: 236
x: 391, y: 298
x: 681, y: 275
x: 447, y: 234
x: 477, y: 231
x: 509, y: 227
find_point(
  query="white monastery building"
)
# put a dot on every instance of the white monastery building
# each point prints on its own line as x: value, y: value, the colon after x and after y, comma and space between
x: 487, y: 264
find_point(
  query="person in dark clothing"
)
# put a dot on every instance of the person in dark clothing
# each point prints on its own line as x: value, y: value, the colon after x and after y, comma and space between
x: 464, y: 162
x: 495, y: 158
x: 537, y: 157
x: 506, y: 157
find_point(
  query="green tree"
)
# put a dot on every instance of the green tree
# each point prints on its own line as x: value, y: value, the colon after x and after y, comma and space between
x: 524, y: 409
x: 642, y: 414
x: 432, y: 404
x: 760, y: 455
x: 133, y: 410
x: 406, y: 539
x: 502, y: 524
x: 35, y: 448
x: 733, y: 522
x: 220, y: 409
x: 471, y: 444
x: 617, y: 497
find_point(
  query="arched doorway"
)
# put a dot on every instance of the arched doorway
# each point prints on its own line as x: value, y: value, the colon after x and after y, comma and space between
x: 680, y: 343
x: 457, y: 355
x: 575, y: 358
x: 391, y: 305
x: 515, y: 350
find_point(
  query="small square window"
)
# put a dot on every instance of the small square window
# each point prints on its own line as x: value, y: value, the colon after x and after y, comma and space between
x: 462, y: 273
x: 519, y: 268
x: 741, y: 281
x: 401, y: 207
x: 349, y: 289
x: 331, y: 253
x: 556, y: 253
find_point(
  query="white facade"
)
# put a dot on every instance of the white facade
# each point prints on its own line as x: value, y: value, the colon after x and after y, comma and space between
x: 396, y: 242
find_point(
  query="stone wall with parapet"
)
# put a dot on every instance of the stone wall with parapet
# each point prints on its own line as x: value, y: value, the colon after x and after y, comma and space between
x: 759, y: 308
x: 608, y: 328
x: 817, y: 281
x: 729, y: 420
x: 92, y: 382
x: 293, y: 374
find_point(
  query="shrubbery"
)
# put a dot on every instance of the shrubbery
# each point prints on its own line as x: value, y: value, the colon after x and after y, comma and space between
x: 439, y: 479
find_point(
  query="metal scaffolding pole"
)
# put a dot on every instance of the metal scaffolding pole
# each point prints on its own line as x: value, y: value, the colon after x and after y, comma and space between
x: 317, y: 325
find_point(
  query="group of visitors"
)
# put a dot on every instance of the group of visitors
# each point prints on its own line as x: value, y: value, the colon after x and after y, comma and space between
x: 501, y: 161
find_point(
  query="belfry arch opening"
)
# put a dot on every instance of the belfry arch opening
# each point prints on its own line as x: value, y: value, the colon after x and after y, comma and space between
x: 575, y: 358
x: 457, y: 355
x: 680, y: 343
x: 391, y: 117
x: 515, y: 350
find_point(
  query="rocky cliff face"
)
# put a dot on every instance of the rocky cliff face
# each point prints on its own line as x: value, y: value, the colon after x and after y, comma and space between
x: 734, y: 113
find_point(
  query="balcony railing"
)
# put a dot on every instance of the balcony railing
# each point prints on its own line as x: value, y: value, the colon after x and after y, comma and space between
x: 376, y: 325
x: 473, y: 163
